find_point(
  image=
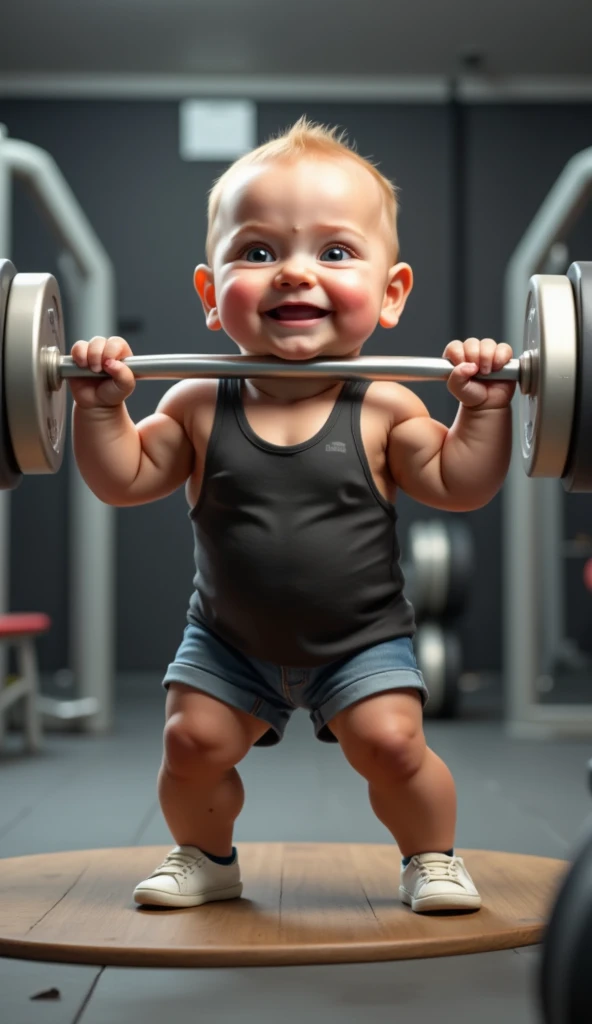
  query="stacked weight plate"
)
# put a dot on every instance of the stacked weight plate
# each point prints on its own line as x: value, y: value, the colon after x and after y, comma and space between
x: 438, y: 570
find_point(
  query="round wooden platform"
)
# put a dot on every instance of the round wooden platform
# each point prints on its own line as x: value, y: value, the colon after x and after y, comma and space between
x: 303, y: 903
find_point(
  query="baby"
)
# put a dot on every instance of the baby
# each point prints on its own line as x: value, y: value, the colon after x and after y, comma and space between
x: 291, y: 486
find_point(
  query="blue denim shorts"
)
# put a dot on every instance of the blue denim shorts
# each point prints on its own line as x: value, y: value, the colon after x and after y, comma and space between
x: 272, y: 692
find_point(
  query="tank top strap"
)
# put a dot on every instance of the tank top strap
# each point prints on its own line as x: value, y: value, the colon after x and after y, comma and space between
x: 229, y: 397
x: 356, y: 393
x: 222, y: 419
x: 348, y: 407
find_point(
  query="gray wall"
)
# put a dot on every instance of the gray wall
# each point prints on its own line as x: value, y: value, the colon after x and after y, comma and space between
x: 148, y: 207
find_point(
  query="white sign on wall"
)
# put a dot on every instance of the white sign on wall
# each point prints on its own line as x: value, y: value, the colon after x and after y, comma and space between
x: 217, y: 129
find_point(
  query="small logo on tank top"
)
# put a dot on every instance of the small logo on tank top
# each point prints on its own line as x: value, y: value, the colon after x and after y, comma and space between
x: 336, y: 446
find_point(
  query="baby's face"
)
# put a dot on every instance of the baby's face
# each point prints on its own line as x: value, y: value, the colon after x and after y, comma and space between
x: 303, y: 260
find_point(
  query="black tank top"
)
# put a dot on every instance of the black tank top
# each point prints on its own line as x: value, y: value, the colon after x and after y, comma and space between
x: 296, y: 551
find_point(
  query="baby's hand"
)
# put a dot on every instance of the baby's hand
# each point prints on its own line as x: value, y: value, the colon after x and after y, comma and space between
x: 102, y: 354
x: 471, y: 357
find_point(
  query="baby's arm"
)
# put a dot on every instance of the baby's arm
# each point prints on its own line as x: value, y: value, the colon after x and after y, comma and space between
x: 125, y: 463
x: 462, y: 467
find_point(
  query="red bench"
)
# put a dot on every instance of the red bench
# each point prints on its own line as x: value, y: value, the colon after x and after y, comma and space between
x: 19, y: 631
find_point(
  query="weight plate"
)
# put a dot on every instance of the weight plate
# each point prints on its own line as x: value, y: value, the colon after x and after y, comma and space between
x: 578, y: 470
x: 439, y: 660
x: 460, y: 567
x: 429, y: 555
x: 565, y: 980
x: 36, y: 415
x: 546, y: 415
x: 439, y: 567
x: 10, y: 474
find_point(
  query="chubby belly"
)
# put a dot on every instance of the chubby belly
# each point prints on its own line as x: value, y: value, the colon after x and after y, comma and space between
x: 293, y: 587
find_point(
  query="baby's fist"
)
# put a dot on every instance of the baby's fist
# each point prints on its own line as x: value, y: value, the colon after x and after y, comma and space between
x: 472, y: 357
x: 102, y: 355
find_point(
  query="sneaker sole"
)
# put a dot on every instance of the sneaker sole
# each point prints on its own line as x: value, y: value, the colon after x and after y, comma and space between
x: 154, y: 898
x: 440, y: 902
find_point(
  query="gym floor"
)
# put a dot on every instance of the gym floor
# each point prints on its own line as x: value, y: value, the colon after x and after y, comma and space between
x: 88, y: 792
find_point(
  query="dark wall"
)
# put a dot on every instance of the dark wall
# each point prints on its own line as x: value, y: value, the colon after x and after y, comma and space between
x: 148, y: 207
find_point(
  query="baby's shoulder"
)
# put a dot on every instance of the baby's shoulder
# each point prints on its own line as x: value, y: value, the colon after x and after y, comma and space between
x: 193, y: 404
x: 392, y: 403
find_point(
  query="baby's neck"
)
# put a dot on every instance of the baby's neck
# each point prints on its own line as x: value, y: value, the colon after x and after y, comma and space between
x: 288, y: 391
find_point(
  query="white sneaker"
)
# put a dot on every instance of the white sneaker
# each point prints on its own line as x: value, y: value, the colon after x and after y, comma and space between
x: 187, y: 878
x: 435, y: 881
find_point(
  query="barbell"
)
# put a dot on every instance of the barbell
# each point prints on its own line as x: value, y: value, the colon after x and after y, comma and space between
x: 553, y: 373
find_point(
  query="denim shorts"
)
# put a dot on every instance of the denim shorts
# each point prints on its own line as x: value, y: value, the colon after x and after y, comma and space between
x: 272, y: 692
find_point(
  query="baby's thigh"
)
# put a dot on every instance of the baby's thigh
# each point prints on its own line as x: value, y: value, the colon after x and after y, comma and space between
x: 201, y: 727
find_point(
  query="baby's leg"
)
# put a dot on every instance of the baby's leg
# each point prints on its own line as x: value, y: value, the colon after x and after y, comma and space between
x: 411, y: 790
x: 200, y: 790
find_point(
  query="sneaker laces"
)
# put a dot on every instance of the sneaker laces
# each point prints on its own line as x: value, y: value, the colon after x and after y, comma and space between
x: 178, y: 864
x: 440, y: 870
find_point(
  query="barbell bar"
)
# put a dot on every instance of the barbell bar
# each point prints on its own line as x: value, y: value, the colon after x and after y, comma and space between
x: 549, y: 373
x: 178, y: 367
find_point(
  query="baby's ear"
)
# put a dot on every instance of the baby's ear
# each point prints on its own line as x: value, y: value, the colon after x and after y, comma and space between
x: 203, y: 280
x: 399, y: 285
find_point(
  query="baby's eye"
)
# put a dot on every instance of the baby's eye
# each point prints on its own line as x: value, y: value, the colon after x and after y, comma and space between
x: 336, y: 254
x: 258, y: 254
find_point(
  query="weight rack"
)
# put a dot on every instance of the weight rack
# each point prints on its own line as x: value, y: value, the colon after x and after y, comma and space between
x: 532, y: 510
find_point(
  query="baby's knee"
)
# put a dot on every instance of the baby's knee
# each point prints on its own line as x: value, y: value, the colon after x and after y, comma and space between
x: 192, y: 746
x: 393, y: 751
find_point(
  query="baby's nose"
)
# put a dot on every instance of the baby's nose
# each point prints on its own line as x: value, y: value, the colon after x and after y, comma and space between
x: 295, y: 273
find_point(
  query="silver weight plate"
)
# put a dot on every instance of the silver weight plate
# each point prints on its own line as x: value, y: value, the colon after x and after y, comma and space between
x: 429, y: 569
x: 36, y: 415
x: 439, y: 659
x: 546, y: 415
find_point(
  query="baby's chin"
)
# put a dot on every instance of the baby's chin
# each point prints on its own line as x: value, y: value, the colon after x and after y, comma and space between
x: 296, y: 349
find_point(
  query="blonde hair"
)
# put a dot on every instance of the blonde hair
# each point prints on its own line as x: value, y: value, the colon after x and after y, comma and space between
x: 302, y: 138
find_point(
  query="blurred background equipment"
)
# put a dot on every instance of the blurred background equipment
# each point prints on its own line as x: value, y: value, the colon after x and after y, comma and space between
x: 439, y: 657
x: 439, y: 566
x: 440, y: 560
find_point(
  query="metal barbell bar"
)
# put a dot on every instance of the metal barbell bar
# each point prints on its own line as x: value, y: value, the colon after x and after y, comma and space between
x: 178, y: 367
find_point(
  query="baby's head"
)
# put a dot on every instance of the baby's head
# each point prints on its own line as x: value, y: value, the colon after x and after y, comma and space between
x: 302, y: 249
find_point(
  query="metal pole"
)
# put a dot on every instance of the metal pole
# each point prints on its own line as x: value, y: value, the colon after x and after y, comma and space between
x: 91, y: 303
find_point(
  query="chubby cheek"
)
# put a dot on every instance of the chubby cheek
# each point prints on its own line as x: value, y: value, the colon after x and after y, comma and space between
x: 356, y: 303
x: 237, y: 298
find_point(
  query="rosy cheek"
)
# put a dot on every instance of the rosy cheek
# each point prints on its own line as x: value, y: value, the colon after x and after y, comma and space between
x: 238, y: 293
x: 351, y: 295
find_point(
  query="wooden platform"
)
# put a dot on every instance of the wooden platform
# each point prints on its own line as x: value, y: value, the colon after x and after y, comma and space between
x: 303, y: 903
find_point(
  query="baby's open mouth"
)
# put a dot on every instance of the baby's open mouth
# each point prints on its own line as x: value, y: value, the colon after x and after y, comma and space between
x: 297, y: 311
